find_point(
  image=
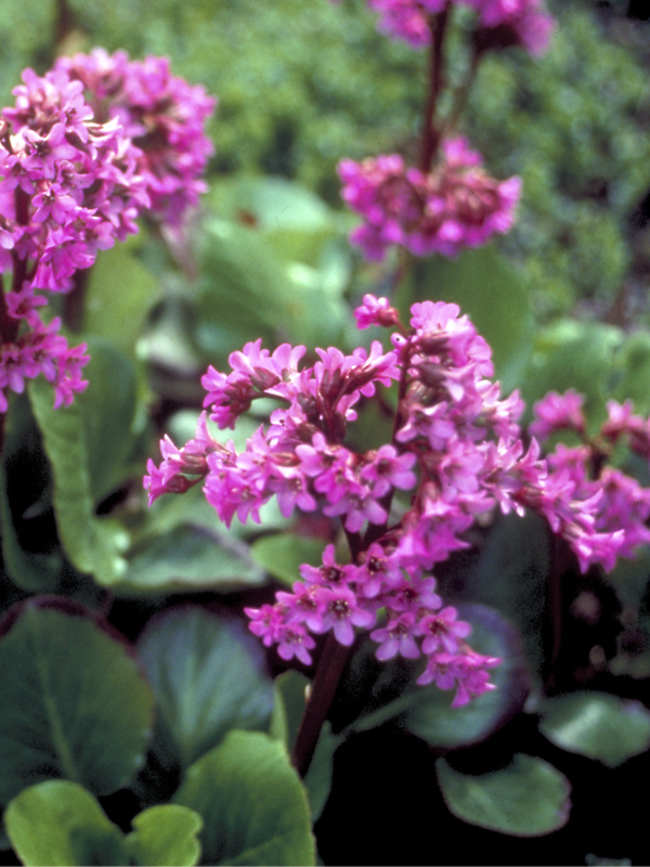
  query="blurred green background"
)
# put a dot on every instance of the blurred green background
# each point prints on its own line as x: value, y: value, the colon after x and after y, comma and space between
x: 302, y: 85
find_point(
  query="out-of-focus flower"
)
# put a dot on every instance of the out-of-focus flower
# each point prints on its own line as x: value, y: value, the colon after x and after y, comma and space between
x: 456, y: 205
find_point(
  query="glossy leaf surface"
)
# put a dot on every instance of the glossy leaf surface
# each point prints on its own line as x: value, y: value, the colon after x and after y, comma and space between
x: 165, y: 836
x: 253, y: 804
x: 208, y: 675
x: 60, y: 823
x: 527, y: 798
x: 73, y: 701
x: 597, y: 725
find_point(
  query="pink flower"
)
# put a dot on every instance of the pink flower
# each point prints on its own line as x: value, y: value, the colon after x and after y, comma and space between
x: 70, y: 184
x: 557, y: 412
x: 396, y: 638
x: 406, y: 19
x: 457, y: 205
x: 375, y: 311
x: 342, y: 613
x: 514, y: 22
x: 388, y: 469
x: 164, y: 117
x: 442, y: 631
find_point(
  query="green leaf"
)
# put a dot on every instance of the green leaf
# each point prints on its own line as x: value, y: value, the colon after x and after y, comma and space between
x: 118, y: 274
x: 73, y: 702
x: 252, y: 801
x: 108, y: 408
x: 60, y: 823
x: 597, y: 725
x: 527, y: 798
x: 242, y: 292
x: 190, y: 558
x: 289, y: 697
x: 165, y: 836
x: 282, y: 554
x: 93, y: 549
x: 633, y: 371
x: 289, y: 215
x: 495, y: 298
x: 208, y: 675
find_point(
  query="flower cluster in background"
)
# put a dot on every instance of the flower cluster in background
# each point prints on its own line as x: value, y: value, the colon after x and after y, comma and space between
x: 448, y: 202
x: 73, y: 182
x: 456, y: 452
x: 501, y: 23
x: 456, y: 205
x: 164, y: 117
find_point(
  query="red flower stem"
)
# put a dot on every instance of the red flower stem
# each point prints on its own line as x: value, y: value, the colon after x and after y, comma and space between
x: 430, y: 133
x: 328, y: 674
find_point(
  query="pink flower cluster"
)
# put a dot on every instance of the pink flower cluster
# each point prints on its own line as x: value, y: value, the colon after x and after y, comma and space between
x: 164, y: 116
x: 457, y: 205
x: 622, y: 506
x: 502, y: 23
x: 456, y: 450
x: 72, y: 183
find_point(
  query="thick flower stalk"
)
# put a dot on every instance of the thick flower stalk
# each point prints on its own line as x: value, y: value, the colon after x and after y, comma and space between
x: 455, y: 456
x: 163, y: 115
x: 457, y: 205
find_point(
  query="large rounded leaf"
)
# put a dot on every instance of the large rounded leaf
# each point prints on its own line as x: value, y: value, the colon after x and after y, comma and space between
x: 373, y: 693
x: 73, y: 701
x: 108, y: 408
x: 573, y: 354
x: 60, y: 823
x: 253, y: 804
x: 597, y: 725
x: 118, y: 270
x: 518, y: 551
x: 527, y: 798
x: 208, y: 675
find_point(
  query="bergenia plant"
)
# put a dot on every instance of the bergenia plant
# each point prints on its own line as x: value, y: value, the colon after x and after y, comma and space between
x: 370, y: 535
